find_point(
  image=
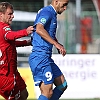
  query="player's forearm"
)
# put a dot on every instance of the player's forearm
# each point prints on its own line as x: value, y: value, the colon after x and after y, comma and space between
x: 12, y: 35
x: 44, y: 34
x: 22, y: 43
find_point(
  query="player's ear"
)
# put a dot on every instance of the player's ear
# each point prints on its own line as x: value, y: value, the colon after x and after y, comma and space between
x: 0, y: 14
x: 56, y: 1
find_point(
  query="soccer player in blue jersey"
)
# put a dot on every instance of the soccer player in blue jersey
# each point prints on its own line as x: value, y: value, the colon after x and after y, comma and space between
x: 45, y: 71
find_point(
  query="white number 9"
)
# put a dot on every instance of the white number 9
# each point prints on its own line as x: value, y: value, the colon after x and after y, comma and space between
x: 48, y: 76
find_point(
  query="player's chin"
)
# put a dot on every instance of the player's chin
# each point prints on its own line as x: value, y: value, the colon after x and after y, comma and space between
x: 59, y: 12
x: 9, y: 22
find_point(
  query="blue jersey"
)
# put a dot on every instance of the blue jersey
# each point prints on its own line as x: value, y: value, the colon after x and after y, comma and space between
x: 42, y: 65
x: 47, y: 16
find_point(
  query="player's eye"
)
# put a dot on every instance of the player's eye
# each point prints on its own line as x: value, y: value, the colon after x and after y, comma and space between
x: 65, y: 4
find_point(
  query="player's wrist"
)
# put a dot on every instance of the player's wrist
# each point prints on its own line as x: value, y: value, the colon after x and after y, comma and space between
x: 55, y: 43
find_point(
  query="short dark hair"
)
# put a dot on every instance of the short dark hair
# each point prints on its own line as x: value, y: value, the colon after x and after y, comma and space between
x: 4, y: 6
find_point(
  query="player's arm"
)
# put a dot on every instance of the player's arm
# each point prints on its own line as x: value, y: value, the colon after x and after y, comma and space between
x: 22, y: 43
x: 44, y: 34
x: 12, y: 35
x: 59, y: 43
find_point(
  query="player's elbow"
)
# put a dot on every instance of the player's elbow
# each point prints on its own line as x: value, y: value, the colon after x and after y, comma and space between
x: 40, y: 32
x: 40, y: 29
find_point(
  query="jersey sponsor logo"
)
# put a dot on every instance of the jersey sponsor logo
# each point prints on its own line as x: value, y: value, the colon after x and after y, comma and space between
x: 43, y: 20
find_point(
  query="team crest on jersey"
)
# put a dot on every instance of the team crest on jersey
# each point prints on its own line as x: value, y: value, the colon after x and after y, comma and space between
x: 43, y: 20
x: 7, y: 29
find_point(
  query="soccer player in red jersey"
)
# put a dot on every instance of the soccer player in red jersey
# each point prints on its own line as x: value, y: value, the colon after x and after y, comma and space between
x: 12, y: 86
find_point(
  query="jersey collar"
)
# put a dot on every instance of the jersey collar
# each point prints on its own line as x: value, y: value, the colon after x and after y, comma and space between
x: 53, y: 9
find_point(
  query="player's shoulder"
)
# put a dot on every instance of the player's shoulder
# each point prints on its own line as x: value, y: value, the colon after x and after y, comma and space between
x: 45, y: 10
x: 48, y: 9
x: 4, y: 26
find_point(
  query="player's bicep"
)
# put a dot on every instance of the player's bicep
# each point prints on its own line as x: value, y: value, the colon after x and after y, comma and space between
x: 39, y: 28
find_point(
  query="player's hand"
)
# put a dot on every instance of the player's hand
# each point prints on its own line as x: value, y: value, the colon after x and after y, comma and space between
x: 30, y: 29
x: 29, y: 42
x: 61, y: 49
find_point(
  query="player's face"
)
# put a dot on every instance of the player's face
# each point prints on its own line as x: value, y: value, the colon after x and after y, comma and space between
x: 62, y: 6
x: 7, y: 16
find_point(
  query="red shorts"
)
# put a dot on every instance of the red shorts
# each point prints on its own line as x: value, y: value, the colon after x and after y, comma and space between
x: 11, y: 86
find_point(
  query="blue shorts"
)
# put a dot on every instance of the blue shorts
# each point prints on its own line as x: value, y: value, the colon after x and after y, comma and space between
x: 43, y: 68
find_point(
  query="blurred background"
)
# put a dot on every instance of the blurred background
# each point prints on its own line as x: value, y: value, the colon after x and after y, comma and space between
x: 78, y: 27
x: 78, y: 30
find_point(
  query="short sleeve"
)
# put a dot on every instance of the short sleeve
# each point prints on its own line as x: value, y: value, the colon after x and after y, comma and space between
x: 44, y: 17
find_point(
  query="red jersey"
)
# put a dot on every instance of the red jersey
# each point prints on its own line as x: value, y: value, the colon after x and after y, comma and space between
x: 8, y: 54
